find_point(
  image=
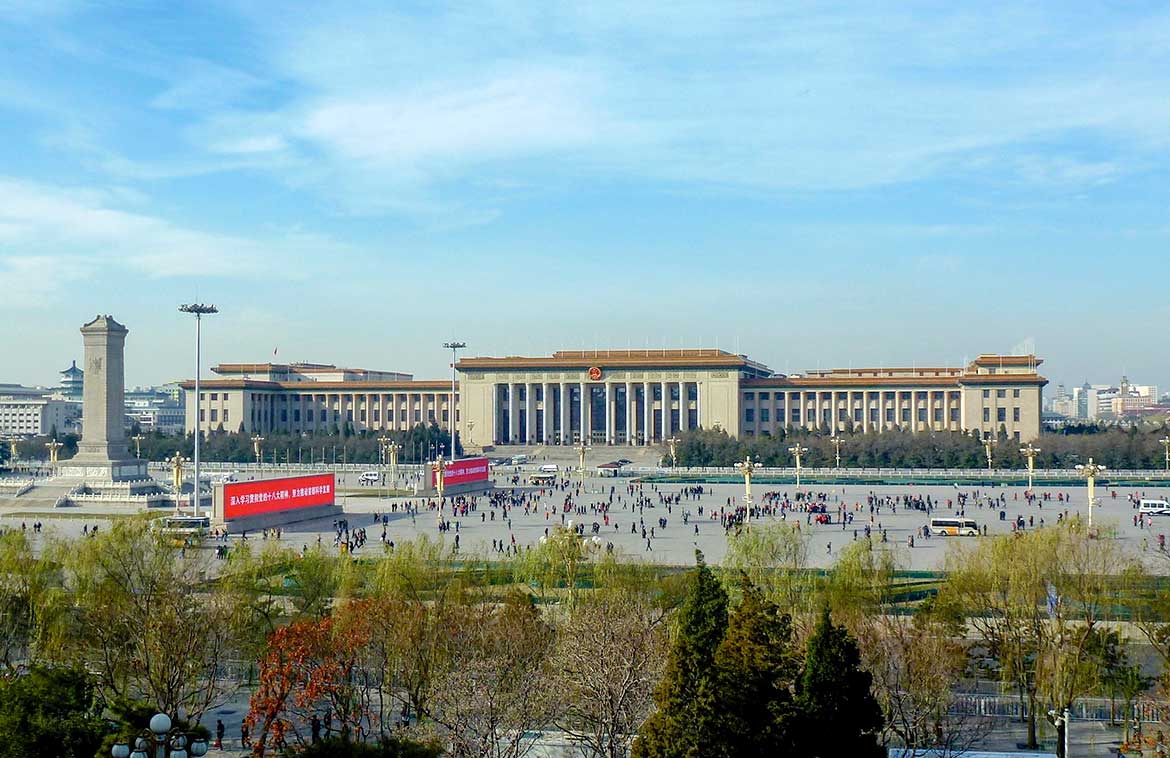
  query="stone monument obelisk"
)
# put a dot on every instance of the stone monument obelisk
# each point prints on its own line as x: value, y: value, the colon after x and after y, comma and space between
x: 102, y: 454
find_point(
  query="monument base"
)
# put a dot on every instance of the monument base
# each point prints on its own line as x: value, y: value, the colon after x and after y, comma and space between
x: 104, y: 471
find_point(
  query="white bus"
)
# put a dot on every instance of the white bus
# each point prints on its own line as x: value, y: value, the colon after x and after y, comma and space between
x: 1154, y: 508
x: 182, y: 528
x: 954, y: 527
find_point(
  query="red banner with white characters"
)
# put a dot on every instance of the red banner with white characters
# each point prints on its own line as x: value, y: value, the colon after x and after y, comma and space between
x: 463, y: 471
x: 271, y: 495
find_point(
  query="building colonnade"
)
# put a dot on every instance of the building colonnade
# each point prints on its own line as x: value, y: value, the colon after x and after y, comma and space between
x: 613, y: 413
x: 768, y: 410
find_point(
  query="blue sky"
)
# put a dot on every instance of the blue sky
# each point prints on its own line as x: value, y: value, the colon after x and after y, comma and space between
x: 818, y: 184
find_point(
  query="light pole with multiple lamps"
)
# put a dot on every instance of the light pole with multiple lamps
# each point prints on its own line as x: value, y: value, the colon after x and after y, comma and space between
x: 162, y: 741
x: 453, y: 426
x: 199, y: 310
x: 177, y: 460
x: 798, y: 451
x: 138, y: 445
x: 440, y: 471
x: 837, y: 444
x: 1029, y: 452
x: 673, y: 444
x: 54, y: 446
x: 256, y: 440
x: 1166, y: 444
x: 1091, y: 471
x: 581, y: 450
x: 988, y: 446
x: 747, y: 467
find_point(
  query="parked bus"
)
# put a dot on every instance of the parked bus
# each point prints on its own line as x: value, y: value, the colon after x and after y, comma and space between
x: 184, y: 528
x: 954, y: 527
x: 542, y: 479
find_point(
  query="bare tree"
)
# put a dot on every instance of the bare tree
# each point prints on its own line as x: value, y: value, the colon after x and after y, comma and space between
x: 609, y: 657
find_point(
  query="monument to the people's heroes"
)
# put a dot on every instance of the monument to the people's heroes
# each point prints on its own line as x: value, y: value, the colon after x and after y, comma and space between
x: 102, y: 454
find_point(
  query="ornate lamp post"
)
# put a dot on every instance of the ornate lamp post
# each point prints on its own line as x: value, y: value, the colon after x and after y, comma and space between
x: 747, y: 467
x: 439, y: 468
x: 54, y: 446
x: 12, y: 450
x: 1091, y: 471
x: 797, y: 451
x: 1029, y: 452
x: 256, y: 440
x: 837, y: 445
x: 673, y: 443
x: 199, y: 310
x: 138, y: 445
x: 161, y: 741
x: 177, y: 461
x: 1166, y: 444
x: 988, y: 445
x: 581, y: 450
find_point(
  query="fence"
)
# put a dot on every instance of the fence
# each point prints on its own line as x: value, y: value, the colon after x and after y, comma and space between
x: 1085, y: 709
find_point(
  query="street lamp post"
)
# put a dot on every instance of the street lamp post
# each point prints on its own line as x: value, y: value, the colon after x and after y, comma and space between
x: 177, y: 461
x: 138, y: 445
x: 163, y: 741
x: 988, y: 446
x: 1091, y: 471
x: 1029, y: 452
x: 837, y: 445
x: 798, y: 451
x: 256, y: 440
x: 199, y: 310
x: 747, y: 467
x: 440, y: 481
x: 54, y: 446
x: 673, y: 443
x: 1166, y: 444
x: 453, y: 425
x: 581, y: 450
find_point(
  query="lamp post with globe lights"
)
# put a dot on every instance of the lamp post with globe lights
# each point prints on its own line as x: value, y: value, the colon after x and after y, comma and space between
x: 1166, y: 444
x: 581, y: 450
x: 1029, y: 452
x: 747, y: 467
x: 1091, y: 471
x: 162, y: 741
x: 798, y: 452
x: 837, y: 446
x: 673, y: 444
x: 988, y: 446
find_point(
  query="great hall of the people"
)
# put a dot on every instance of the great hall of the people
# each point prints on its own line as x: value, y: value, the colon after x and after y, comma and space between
x: 620, y: 397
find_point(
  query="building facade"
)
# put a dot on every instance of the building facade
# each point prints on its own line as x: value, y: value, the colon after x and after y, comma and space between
x: 622, y: 397
x: 37, y: 416
x: 313, y: 398
x: 637, y: 397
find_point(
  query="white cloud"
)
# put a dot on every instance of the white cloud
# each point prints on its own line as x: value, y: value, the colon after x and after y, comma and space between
x: 51, y: 237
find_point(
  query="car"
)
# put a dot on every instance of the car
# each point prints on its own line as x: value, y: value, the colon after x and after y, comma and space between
x: 549, y: 468
x: 624, y: 461
x: 370, y: 477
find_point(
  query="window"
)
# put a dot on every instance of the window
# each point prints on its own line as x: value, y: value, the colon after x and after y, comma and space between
x: 225, y: 415
x: 1001, y: 414
x: 215, y: 396
x: 986, y: 415
x: 764, y: 395
x: 201, y: 418
x: 296, y: 415
x: 377, y: 415
x: 1015, y: 393
x: 905, y: 415
x: 954, y: 415
x: 889, y: 415
x: 349, y: 415
x: 986, y: 393
x: 749, y: 415
x: 1001, y: 393
x: 796, y: 415
x: 765, y: 415
x: 214, y: 416
x: 1016, y: 414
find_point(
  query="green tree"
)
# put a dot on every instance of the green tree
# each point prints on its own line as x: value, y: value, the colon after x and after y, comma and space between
x: 838, y: 713
x: 756, y: 671
x: 686, y: 721
x: 50, y: 712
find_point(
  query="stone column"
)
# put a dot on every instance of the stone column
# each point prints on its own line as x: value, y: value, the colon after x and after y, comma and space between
x: 530, y: 432
x: 513, y: 413
x: 684, y: 405
x: 546, y: 412
x: 665, y: 420
x: 609, y: 426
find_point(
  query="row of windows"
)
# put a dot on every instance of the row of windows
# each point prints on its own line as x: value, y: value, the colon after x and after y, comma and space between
x: 1000, y: 393
x: 1001, y: 414
x: 890, y: 415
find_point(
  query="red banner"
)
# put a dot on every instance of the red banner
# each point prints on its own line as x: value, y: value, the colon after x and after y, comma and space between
x: 271, y: 495
x: 463, y: 471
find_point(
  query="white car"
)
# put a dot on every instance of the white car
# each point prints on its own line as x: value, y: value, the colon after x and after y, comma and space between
x: 370, y: 477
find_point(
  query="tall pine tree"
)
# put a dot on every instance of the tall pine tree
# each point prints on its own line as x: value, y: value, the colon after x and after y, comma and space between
x: 838, y: 713
x: 757, y: 670
x: 685, y: 724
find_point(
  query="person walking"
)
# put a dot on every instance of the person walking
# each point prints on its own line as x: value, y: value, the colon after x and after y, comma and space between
x: 219, y: 732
